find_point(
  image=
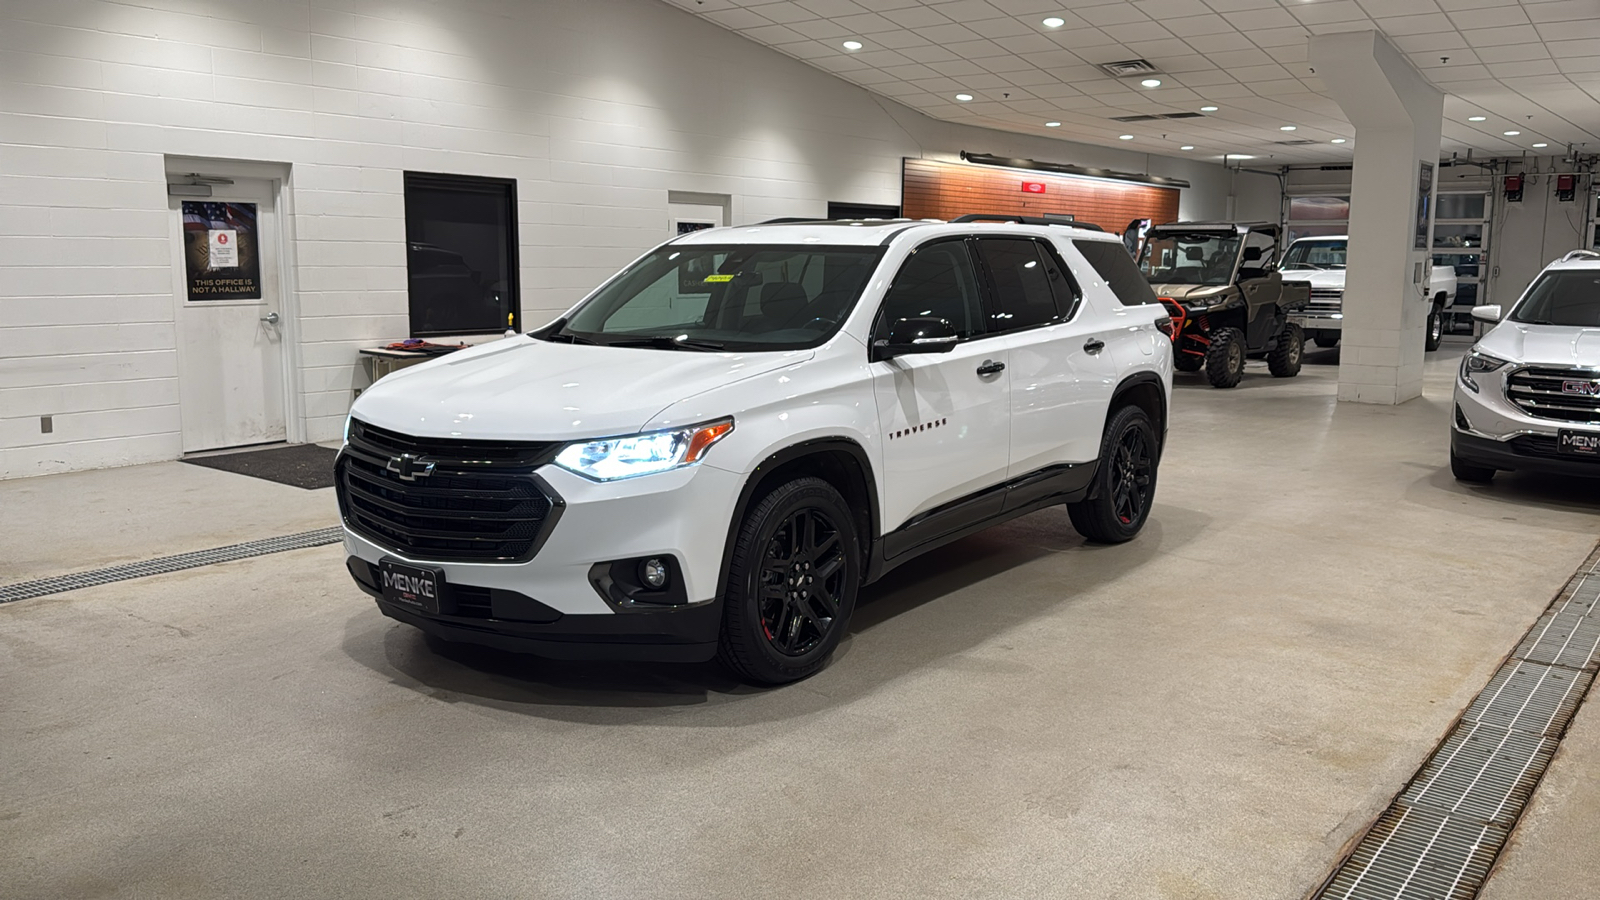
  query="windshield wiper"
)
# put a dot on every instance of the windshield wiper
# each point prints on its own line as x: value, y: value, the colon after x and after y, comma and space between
x: 665, y: 342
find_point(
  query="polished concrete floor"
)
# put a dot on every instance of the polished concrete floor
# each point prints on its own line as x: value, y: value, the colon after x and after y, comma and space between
x: 1214, y: 710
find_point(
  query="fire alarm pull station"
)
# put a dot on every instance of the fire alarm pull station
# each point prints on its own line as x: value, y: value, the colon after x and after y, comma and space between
x: 1513, y: 188
x: 1566, y: 187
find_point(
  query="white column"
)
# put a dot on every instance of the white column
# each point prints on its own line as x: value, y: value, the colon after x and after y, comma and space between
x: 1396, y: 114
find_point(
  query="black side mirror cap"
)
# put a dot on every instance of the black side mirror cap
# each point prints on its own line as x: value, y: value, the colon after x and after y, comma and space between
x: 918, y: 334
x: 1251, y: 254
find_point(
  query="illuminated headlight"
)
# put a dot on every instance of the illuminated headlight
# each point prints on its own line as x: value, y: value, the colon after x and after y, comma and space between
x: 616, y: 458
x: 1476, y: 363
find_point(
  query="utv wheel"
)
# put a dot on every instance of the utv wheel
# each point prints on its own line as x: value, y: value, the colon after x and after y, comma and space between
x: 1124, y: 485
x: 1284, y: 360
x: 1326, y: 343
x: 1225, y: 357
x: 1435, y: 329
x: 1465, y: 471
x: 1187, y: 362
x: 792, y: 583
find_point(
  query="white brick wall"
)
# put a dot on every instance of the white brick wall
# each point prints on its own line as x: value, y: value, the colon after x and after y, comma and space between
x: 596, y: 107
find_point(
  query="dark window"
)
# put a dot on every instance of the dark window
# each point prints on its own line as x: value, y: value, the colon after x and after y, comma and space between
x: 1112, y: 263
x: 461, y: 254
x: 1570, y: 299
x: 1023, y: 295
x: 938, y: 279
x: 862, y: 211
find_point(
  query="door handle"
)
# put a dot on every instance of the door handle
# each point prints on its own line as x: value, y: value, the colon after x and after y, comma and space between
x: 270, y: 318
x: 1093, y: 346
x: 991, y: 367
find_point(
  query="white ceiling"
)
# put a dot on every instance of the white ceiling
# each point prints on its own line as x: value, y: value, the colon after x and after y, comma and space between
x: 1526, y: 65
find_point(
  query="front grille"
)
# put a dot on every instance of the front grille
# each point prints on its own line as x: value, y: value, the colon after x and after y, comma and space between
x: 1571, y: 395
x: 476, y: 501
x: 1325, y: 301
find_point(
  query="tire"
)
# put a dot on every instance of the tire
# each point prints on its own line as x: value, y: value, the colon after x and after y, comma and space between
x: 1465, y: 471
x: 1435, y: 334
x: 1284, y: 360
x: 1124, y: 485
x: 1225, y: 357
x: 1187, y: 362
x: 775, y: 631
x: 1326, y: 343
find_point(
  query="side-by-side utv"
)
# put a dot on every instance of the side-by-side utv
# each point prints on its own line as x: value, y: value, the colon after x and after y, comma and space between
x: 1227, y: 300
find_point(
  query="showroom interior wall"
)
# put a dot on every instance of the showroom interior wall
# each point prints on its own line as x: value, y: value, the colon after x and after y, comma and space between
x: 598, y: 108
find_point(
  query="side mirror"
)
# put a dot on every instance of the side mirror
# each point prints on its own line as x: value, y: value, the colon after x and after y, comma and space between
x: 918, y: 334
x: 1490, y: 313
x: 1251, y: 254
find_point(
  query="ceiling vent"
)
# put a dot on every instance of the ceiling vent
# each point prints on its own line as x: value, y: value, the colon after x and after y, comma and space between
x: 1128, y: 68
x: 1154, y: 117
x: 1296, y: 143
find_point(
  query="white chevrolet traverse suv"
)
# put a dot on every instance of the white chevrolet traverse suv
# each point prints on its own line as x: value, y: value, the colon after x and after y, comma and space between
x: 1528, y: 394
x: 716, y: 449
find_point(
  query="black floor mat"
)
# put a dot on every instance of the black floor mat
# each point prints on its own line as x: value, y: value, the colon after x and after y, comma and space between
x: 298, y: 465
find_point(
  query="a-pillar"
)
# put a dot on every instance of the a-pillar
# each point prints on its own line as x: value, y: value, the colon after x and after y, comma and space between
x: 1396, y: 114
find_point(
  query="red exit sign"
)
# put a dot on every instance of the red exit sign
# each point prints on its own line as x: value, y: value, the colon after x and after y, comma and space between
x: 1033, y: 187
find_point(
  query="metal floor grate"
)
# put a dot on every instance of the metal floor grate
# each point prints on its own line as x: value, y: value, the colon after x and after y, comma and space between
x: 24, y: 590
x: 1438, y: 840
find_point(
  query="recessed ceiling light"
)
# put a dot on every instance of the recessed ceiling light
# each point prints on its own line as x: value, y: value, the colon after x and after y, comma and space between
x: 1237, y: 156
x: 1208, y: 109
x: 1337, y: 140
x: 852, y: 45
x: 1477, y: 118
x: 1124, y: 137
x: 1054, y: 22
x: 1510, y: 133
x: 1541, y: 144
x: 1187, y: 147
x: 1151, y: 82
x: 963, y: 97
x: 1285, y: 127
x: 1052, y: 124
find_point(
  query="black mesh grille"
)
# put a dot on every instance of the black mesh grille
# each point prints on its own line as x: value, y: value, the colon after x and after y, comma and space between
x: 466, y: 501
x: 1545, y: 446
x: 1571, y: 395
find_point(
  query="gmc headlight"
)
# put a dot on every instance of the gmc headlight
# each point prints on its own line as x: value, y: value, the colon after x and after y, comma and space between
x: 613, y: 459
x: 1476, y: 363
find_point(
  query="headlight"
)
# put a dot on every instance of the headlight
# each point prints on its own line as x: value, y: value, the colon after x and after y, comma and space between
x: 347, y: 418
x: 1476, y: 363
x: 613, y: 459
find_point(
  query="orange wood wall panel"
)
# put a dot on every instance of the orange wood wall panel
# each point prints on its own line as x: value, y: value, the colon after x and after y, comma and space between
x: 940, y: 190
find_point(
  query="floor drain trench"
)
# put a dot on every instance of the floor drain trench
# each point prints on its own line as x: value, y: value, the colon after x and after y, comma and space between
x: 26, y: 590
x: 1439, y: 838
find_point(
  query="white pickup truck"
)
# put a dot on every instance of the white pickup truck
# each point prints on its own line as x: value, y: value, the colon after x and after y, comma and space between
x: 1319, y: 262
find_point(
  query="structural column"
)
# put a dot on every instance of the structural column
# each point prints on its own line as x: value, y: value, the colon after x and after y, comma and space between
x: 1396, y: 114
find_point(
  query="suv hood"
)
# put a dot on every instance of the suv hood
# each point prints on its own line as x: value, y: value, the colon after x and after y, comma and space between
x: 1551, y: 345
x: 531, y: 390
x: 1317, y: 278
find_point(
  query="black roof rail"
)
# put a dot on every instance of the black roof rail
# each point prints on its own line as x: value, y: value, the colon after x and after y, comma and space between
x: 791, y: 220
x: 1046, y: 219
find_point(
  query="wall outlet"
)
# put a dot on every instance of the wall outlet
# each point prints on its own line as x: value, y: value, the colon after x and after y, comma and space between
x: 47, y: 424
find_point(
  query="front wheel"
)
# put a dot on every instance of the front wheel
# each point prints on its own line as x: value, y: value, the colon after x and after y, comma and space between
x: 1124, y: 485
x: 792, y: 584
x: 1225, y: 358
x: 1284, y: 360
x: 1465, y: 471
x: 1435, y: 329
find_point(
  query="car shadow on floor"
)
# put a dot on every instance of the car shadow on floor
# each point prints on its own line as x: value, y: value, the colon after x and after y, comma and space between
x: 1515, y: 490
x: 935, y: 589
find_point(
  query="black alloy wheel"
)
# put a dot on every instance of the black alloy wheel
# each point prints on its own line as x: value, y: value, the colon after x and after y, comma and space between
x: 1124, y: 486
x: 792, y: 585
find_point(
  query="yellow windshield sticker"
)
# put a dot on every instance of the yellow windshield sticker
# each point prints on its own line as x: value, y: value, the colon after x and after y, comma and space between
x: 718, y: 279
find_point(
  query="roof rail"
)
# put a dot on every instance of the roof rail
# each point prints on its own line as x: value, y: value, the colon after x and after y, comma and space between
x: 792, y: 220
x: 1046, y: 219
x: 1580, y: 254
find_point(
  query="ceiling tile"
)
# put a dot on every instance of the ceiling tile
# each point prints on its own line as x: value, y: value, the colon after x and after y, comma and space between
x: 1492, y: 37
x: 782, y: 13
x: 1377, y: 8
x: 1528, y: 67
x: 1112, y: 14
x: 737, y: 18
x: 969, y: 10
x: 818, y: 29
x: 1490, y: 17
x: 1324, y: 13
x: 1281, y: 37
x: 1512, y: 53
x: 1416, y: 24
x: 1025, y: 7
x: 1562, y: 11
x: 976, y: 50
x: 915, y: 17
x: 1566, y: 31
x: 948, y: 34
x: 997, y: 28
x: 1218, y: 43
x: 866, y: 23
x: 1136, y: 31
x: 774, y: 35
x: 1444, y: 40
x: 1575, y: 50
x: 1207, y: 24
x: 829, y: 8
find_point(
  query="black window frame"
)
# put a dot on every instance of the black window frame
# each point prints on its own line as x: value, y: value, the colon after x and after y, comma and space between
x: 880, y: 323
x: 991, y: 290
x: 480, y: 184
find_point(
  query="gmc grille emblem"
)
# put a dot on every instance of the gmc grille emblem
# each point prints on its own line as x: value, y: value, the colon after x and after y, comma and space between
x: 1586, y: 388
x: 409, y: 467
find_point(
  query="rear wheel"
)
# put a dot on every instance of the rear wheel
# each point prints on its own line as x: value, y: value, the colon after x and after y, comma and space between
x: 1435, y: 328
x: 792, y: 584
x: 1326, y: 342
x: 1284, y: 360
x: 1124, y: 485
x: 1465, y: 471
x: 1225, y: 357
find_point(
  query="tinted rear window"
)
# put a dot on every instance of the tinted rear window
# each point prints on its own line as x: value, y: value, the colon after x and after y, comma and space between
x: 1117, y: 269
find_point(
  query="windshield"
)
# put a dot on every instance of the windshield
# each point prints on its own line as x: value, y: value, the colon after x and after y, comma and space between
x: 1316, y: 255
x: 1198, y: 258
x: 1570, y: 298
x: 748, y: 297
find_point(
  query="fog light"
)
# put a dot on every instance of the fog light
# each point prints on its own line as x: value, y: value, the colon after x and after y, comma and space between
x: 653, y: 572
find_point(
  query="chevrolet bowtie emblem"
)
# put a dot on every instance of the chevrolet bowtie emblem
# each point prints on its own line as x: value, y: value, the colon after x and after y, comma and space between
x: 409, y: 467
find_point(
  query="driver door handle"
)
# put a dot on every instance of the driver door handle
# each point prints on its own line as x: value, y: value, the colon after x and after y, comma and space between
x: 991, y: 367
x: 1093, y: 346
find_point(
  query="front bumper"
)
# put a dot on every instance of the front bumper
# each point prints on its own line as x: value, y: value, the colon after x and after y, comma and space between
x: 1523, y: 453
x: 1488, y: 430
x: 1309, y: 322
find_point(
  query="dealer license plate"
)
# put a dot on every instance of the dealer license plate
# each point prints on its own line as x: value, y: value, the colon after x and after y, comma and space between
x: 1578, y: 443
x: 412, y: 587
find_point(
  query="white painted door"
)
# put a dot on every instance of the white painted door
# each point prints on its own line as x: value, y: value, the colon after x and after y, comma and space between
x: 230, y: 334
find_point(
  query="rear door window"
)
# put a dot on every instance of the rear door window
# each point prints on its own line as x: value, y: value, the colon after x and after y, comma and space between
x: 1025, y: 279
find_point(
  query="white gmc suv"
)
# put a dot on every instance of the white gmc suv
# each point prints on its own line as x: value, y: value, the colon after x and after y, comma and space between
x: 715, y: 450
x: 1528, y: 394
